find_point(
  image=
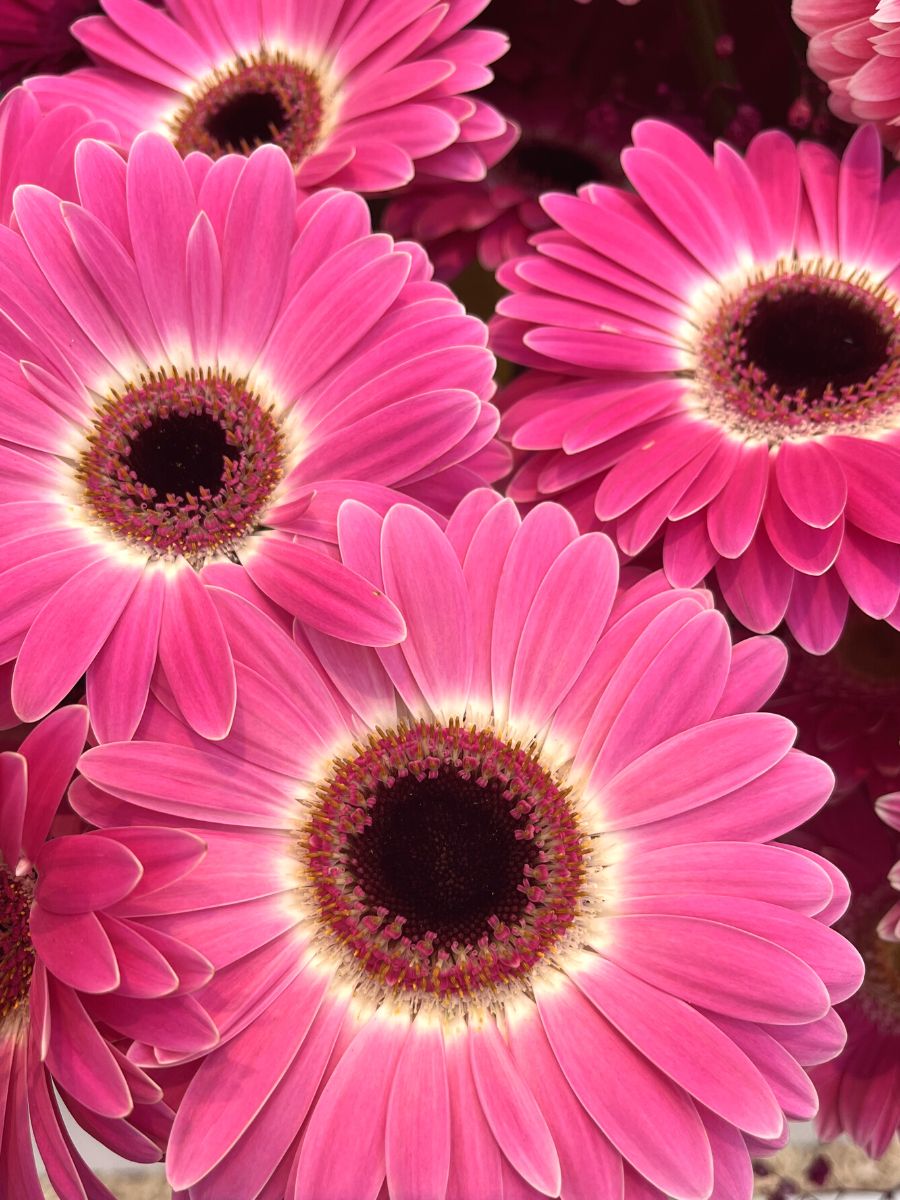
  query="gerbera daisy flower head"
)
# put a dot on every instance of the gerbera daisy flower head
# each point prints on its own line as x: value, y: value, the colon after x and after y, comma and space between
x: 846, y: 705
x: 81, y: 974
x: 195, y: 372
x: 513, y: 867
x: 853, y: 48
x: 859, y: 1091
x: 36, y: 148
x: 359, y: 95
x: 37, y: 37
x: 714, y: 361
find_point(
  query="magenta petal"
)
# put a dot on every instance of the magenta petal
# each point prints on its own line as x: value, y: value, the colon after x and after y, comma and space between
x: 817, y: 611
x: 757, y: 667
x: 76, y: 1041
x: 324, y: 593
x: 13, y: 800
x: 195, y: 655
x: 734, y: 514
x: 67, y: 634
x: 75, y: 948
x: 417, y: 1146
x: 84, y: 872
x: 811, y: 481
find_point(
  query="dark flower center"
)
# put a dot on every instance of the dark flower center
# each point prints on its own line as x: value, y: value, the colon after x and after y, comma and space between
x: 443, y: 859
x: 814, y: 340
x: 267, y: 98
x: 16, y: 951
x: 182, y: 465
x: 800, y: 352
x: 177, y: 455
x: 443, y: 852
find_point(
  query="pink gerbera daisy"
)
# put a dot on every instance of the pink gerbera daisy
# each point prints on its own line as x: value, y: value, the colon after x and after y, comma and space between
x: 41, y: 149
x: 846, y: 705
x: 859, y: 1091
x: 75, y: 966
x: 36, y: 36
x: 187, y: 361
x: 508, y: 906
x: 359, y: 93
x: 716, y: 360
x: 853, y: 47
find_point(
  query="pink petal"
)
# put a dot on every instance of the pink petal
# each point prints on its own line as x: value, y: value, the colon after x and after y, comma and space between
x: 698, y: 1057
x: 629, y: 1099
x: 811, y: 481
x: 698, y: 657
x: 118, y: 680
x: 424, y: 577
x: 195, y: 655
x: 757, y: 667
x: 161, y: 210
x: 76, y: 1041
x: 75, y: 949
x: 696, y: 766
x: 772, y: 873
x: 51, y: 751
x: 555, y: 644
x: 261, y: 1054
x: 475, y: 1167
x: 325, y: 594
x: 817, y: 611
x: 355, y: 1097
x: 511, y: 1109
x: 13, y: 799
x: 84, y: 872
x: 870, y: 571
x: 186, y: 782
x: 67, y: 634
x: 544, y: 534
x: 417, y: 1146
x: 591, y: 1167
x: 859, y: 193
x: 684, y: 956
x: 255, y: 251
x: 734, y: 514
x: 757, y: 586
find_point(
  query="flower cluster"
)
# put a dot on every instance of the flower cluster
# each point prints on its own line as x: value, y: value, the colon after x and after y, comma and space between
x: 447, y: 756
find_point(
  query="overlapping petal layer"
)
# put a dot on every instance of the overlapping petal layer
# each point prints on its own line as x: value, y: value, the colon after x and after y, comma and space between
x: 658, y: 915
x: 361, y: 95
x: 195, y: 373
x: 79, y: 974
x: 669, y: 396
